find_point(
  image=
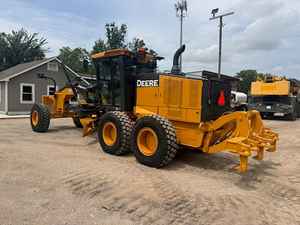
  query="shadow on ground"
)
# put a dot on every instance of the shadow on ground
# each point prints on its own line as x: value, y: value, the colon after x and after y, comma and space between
x: 199, y: 162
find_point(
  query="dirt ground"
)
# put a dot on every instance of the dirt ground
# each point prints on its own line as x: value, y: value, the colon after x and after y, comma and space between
x: 60, y: 178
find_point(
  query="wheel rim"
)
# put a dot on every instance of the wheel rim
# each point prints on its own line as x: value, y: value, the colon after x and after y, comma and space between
x: 147, y: 141
x: 109, y: 134
x: 35, y: 118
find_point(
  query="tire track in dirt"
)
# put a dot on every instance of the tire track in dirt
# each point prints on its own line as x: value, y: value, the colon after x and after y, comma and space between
x: 286, y: 193
x: 220, y: 206
x: 3, y: 156
x: 294, y: 179
x: 214, y: 210
x: 171, y: 205
x: 244, y: 209
x: 182, y: 210
x: 115, y: 196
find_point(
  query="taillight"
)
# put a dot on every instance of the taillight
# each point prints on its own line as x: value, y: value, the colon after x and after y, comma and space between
x: 221, y: 99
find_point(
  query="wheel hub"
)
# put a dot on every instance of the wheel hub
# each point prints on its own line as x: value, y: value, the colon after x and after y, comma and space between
x: 35, y: 118
x: 147, y: 141
x: 109, y: 134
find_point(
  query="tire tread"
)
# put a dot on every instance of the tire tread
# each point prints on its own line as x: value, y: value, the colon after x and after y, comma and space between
x: 171, y: 140
x: 44, y: 118
x: 126, y: 126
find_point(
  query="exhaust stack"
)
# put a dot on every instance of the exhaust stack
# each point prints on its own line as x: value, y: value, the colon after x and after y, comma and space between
x: 176, y: 68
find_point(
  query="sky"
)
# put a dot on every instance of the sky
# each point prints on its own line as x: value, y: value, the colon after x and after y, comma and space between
x: 262, y: 34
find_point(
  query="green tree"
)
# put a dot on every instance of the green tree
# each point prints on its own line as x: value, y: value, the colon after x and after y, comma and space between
x: 115, y: 37
x: 99, y: 46
x: 3, y: 52
x: 19, y: 47
x: 78, y: 59
x: 136, y: 43
x: 246, y: 78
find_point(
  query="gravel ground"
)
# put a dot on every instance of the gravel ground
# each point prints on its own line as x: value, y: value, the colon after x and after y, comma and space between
x: 60, y: 178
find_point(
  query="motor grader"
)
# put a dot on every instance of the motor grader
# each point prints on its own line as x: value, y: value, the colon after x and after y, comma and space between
x: 134, y: 108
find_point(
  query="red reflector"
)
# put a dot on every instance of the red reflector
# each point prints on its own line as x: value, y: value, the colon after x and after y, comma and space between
x: 221, y: 100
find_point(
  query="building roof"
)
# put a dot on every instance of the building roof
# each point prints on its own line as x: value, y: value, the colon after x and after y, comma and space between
x: 111, y: 53
x: 19, y: 69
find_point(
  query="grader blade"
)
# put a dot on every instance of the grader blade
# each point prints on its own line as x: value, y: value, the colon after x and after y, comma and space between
x: 240, y: 133
x: 88, y: 126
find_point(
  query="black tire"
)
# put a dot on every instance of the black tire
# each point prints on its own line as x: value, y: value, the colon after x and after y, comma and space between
x: 124, y: 126
x: 43, y: 121
x: 292, y: 116
x: 244, y: 108
x: 77, y: 123
x: 298, y: 109
x: 266, y: 116
x: 167, y: 143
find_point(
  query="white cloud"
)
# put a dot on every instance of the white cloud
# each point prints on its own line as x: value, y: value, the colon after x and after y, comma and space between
x: 261, y: 35
x: 59, y: 28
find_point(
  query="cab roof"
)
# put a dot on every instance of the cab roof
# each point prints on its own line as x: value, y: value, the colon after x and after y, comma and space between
x: 111, y: 53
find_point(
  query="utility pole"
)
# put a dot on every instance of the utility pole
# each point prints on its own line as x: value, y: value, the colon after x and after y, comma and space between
x: 221, y: 25
x: 181, y: 12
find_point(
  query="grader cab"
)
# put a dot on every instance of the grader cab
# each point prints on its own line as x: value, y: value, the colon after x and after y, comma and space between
x: 136, y: 109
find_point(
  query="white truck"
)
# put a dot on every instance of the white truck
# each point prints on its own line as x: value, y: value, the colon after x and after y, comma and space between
x: 239, y: 101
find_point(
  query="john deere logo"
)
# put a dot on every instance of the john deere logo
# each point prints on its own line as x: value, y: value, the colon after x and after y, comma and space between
x: 147, y: 83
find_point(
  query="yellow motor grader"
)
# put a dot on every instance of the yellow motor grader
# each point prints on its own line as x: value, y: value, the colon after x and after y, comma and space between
x: 133, y: 108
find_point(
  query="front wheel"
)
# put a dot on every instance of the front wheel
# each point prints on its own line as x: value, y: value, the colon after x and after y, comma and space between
x: 77, y: 123
x: 292, y: 116
x: 40, y: 118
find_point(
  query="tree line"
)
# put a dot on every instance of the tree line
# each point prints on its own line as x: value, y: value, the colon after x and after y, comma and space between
x: 79, y: 59
x: 21, y: 47
x: 247, y: 77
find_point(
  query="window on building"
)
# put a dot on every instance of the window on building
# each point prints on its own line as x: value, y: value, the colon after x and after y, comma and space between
x: 52, y: 66
x: 51, y: 90
x: 27, y: 93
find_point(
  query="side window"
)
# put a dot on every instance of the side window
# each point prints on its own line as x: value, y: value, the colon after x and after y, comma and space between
x: 116, y: 83
x: 51, y: 90
x: 52, y: 66
x: 27, y: 92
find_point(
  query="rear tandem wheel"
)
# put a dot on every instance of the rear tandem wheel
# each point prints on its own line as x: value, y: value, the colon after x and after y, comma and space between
x: 154, y: 141
x: 114, y: 133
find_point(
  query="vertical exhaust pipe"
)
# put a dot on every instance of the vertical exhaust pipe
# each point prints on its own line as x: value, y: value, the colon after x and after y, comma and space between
x: 176, y: 70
